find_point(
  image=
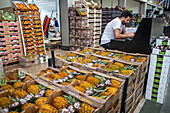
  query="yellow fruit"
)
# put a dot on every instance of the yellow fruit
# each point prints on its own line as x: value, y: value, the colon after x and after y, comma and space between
x: 64, y: 83
x: 93, y: 80
x: 126, y: 58
x: 27, y: 78
x: 7, y: 79
x: 80, y: 77
x: 104, y: 94
x: 87, y: 61
x: 42, y: 73
x: 46, y: 108
x: 48, y: 93
x: 85, y: 85
x: 96, y: 65
x: 8, y: 87
x: 112, y: 90
x: 72, y: 60
x: 18, y: 84
x: 119, y: 64
x: 55, y: 76
x: 130, y: 57
x: 34, y: 89
x: 14, y: 76
x: 81, y: 89
x: 85, y: 108
x: 26, y: 105
x: 114, y: 67
x: 142, y: 59
x: 5, y: 102
x: 93, y: 58
x: 62, y: 74
x: 20, y: 93
x: 49, y: 70
x: 80, y: 58
x: 60, y: 102
x: 40, y: 101
x: 126, y: 72
x: 115, y: 83
x: 72, y: 55
x: 49, y: 78
x: 113, y: 56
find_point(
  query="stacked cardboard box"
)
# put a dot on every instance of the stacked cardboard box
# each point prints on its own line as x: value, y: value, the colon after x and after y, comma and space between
x: 158, y: 72
x: 80, y: 32
x: 94, y: 14
x: 10, y: 41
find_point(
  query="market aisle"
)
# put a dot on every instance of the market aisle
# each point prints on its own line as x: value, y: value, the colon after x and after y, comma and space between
x: 37, y: 68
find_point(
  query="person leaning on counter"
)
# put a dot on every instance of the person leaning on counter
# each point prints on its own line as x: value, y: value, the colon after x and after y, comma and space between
x: 116, y: 29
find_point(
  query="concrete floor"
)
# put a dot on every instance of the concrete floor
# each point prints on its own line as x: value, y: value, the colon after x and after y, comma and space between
x: 145, y: 106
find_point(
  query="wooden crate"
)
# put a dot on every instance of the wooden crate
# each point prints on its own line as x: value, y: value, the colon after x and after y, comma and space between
x: 133, y: 100
x: 110, y: 100
x: 145, y: 64
x: 59, y: 62
x: 43, y: 77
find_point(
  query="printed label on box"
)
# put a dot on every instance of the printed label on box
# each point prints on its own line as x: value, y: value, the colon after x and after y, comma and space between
x: 167, y: 52
x: 155, y: 51
x: 158, y: 42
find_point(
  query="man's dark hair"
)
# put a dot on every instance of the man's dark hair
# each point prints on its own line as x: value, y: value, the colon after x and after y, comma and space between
x: 126, y: 14
x: 54, y: 18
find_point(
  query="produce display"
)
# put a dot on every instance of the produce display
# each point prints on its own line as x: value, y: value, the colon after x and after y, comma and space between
x: 94, y: 61
x: 33, y: 7
x: 34, y: 43
x: 71, y: 57
x: 122, y: 56
x: 90, y: 50
x: 62, y: 102
x: 14, y: 80
x: 34, y: 95
x: 98, y: 87
x: 121, y: 68
x: 10, y: 42
x: 63, y: 77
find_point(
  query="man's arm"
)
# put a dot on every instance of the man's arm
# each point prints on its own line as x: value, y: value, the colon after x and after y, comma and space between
x: 126, y: 33
x: 118, y: 35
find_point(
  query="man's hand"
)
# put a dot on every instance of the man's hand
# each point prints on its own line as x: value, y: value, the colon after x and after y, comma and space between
x: 131, y: 35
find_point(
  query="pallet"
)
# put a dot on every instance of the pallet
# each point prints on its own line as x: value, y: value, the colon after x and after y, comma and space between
x: 11, y: 63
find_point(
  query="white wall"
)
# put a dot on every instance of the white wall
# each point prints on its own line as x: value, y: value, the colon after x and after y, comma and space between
x: 4, y: 3
x: 133, y: 5
x: 107, y: 3
x: 149, y: 7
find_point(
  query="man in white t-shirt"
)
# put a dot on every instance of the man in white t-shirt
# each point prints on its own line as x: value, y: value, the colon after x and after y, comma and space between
x: 116, y: 29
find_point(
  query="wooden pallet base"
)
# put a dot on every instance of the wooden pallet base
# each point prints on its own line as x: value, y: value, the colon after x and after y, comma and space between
x: 11, y: 63
x: 136, y: 104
